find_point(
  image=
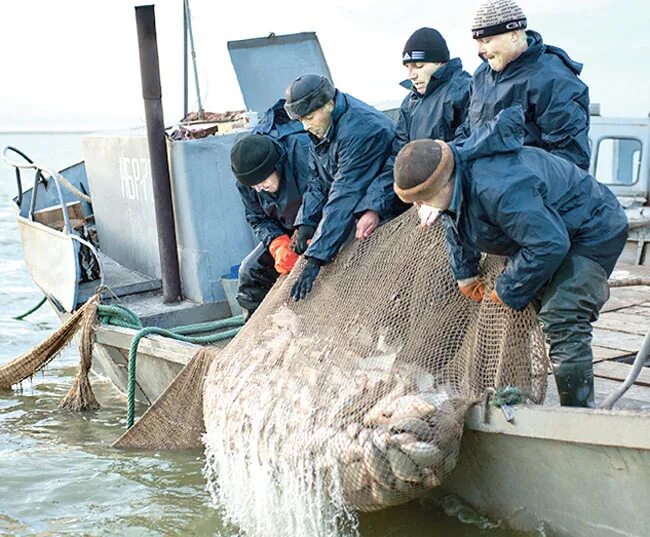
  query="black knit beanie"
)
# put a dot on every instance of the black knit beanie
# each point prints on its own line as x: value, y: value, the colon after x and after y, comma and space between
x: 425, y: 45
x: 253, y: 159
x: 306, y: 94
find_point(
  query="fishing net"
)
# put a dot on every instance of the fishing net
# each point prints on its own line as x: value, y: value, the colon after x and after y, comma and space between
x: 354, y: 399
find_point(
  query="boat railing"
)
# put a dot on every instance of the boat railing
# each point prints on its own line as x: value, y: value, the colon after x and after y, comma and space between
x: 637, y: 367
x: 42, y: 175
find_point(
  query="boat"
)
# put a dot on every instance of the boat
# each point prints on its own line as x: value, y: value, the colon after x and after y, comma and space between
x: 529, y: 466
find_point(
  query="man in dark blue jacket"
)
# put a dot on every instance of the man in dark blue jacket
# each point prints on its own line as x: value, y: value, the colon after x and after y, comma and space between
x: 561, y: 229
x: 350, y: 144
x: 272, y: 170
x: 435, y: 107
x: 520, y: 69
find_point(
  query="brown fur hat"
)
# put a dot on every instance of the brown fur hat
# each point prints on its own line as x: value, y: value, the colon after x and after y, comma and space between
x: 422, y: 169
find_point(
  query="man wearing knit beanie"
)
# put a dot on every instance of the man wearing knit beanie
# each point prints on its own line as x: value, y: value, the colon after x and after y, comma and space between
x: 436, y: 104
x: 520, y: 69
x: 351, y: 142
x: 562, y: 237
x: 272, y: 170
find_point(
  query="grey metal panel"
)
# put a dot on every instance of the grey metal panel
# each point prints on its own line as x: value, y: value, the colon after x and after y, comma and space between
x: 48, y: 197
x: 119, y: 176
x: 265, y: 66
x: 211, y: 229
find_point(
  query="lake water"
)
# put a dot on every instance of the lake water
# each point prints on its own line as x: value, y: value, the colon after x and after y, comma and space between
x: 58, y: 473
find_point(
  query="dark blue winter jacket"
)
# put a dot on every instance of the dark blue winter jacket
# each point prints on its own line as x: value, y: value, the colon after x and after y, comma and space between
x: 435, y: 115
x: 531, y: 206
x: 544, y: 81
x: 272, y: 215
x: 344, y: 164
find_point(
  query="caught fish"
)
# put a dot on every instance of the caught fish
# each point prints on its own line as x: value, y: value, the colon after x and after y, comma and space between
x: 402, y: 466
x: 411, y: 406
x: 354, y: 476
x: 423, y: 454
x: 416, y: 426
x: 377, y: 465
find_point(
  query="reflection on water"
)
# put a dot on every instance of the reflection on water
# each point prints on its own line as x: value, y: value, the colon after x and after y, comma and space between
x: 58, y: 473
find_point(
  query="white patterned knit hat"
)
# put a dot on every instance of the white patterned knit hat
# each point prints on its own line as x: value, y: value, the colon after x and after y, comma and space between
x: 495, y: 17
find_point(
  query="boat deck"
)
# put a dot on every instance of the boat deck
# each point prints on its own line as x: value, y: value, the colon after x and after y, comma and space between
x: 617, y: 337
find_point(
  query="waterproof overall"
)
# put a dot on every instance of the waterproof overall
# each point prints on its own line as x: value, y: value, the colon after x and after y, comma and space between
x: 271, y: 215
x: 436, y: 115
x: 344, y: 164
x: 561, y: 230
x: 544, y: 81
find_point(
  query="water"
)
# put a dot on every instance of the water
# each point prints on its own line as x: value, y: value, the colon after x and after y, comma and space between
x: 58, y: 473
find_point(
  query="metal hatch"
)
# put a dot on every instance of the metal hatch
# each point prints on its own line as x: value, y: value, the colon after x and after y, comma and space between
x: 266, y: 65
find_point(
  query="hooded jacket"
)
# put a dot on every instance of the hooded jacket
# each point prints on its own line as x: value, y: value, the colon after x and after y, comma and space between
x: 271, y: 215
x: 435, y: 115
x: 542, y: 210
x: 344, y: 164
x: 544, y: 81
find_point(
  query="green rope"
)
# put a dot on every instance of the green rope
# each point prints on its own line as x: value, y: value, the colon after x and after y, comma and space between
x: 21, y: 317
x: 118, y: 315
x: 177, y: 334
x: 507, y: 395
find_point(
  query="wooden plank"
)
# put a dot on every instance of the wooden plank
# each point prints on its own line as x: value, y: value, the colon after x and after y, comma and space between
x: 620, y: 371
x: 624, y: 297
x: 622, y: 321
x: 617, y: 340
x: 603, y: 353
x: 641, y: 309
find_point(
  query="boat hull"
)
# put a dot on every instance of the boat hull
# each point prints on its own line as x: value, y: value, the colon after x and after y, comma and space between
x: 567, y: 472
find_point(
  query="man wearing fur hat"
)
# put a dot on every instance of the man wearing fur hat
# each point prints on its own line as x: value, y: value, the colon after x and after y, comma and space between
x: 561, y: 230
x: 435, y: 107
x: 520, y: 69
x: 271, y: 167
x: 350, y: 144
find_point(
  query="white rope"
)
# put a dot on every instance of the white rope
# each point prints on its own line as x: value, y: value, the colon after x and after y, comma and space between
x: 46, y: 171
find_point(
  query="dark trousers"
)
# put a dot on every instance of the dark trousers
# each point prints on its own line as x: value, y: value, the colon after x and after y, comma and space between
x: 257, y: 275
x: 570, y: 303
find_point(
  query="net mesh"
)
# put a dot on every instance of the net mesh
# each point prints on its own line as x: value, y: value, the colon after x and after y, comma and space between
x: 354, y: 399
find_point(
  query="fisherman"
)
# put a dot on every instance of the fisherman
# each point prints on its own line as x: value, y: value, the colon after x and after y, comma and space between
x: 439, y: 91
x: 520, y: 69
x: 350, y: 144
x: 272, y: 169
x: 561, y: 230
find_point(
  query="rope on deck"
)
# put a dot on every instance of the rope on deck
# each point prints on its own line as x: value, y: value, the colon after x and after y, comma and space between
x: 118, y: 315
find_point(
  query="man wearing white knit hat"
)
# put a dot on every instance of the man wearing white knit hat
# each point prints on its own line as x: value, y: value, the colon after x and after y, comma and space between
x: 520, y: 69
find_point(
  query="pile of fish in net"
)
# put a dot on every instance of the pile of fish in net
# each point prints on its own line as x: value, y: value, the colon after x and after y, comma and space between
x: 354, y: 399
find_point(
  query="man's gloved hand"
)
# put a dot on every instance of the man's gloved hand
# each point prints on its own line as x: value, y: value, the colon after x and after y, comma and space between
x: 285, y: 258
x: 305, y: 281
x: 472, y: 288
x: 496, y: 298
x: 367, y: 224
x: 300, y: 239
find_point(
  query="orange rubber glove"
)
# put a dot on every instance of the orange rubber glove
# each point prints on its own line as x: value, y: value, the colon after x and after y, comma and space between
x: 495, y: 297
x: 473, y: 289
x: 281, y: 251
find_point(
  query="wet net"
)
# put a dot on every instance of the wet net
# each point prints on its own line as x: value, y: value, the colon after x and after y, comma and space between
x: 354, y: 399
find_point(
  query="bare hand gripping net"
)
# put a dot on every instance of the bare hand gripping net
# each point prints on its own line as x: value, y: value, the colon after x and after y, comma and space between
x: 354, y: 399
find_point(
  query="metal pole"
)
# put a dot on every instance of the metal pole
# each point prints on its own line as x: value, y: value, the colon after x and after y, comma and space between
x: 162, y: 193
x: 185, y: 65
x: 196, y: 72
x: 637, y: 366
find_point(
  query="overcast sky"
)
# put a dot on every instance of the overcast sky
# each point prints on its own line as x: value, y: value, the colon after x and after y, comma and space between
x: 74, y: 63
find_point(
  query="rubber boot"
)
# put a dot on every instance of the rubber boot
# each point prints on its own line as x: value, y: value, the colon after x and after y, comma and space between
x: 257, y: 275
x: 575, y: 385
x: 570, y: 303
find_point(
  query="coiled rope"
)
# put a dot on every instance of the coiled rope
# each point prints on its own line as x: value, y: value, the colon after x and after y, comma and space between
x: 118, y: 315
